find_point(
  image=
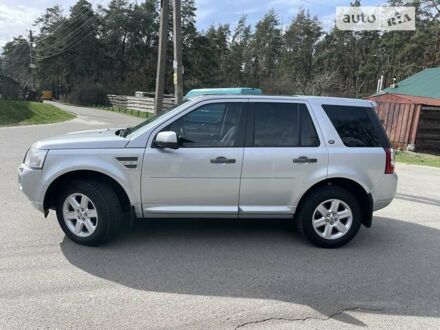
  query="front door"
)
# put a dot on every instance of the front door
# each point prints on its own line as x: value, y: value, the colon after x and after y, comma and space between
x: 201, y: 177
x: 283, y: 156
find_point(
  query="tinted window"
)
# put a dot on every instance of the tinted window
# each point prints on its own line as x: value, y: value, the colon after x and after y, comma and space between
x: 283, y: 125
x: 211, y: 114
x: 211, y: 125
x: 309, y: 137
x: 357, y: 126
x: 276, y: 125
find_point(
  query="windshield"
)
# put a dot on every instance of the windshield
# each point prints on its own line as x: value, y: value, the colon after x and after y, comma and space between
x: 130, y: 130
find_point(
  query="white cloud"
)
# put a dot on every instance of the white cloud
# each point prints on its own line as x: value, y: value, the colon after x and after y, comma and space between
x: 203, y: 13
x: 246, y: 11
x: 15, y: 21
x: 328, y: 21
x: 16, y: 16
x: 283, y: 3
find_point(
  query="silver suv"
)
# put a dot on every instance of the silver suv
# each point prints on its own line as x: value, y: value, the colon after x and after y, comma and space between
x: 324, y: 162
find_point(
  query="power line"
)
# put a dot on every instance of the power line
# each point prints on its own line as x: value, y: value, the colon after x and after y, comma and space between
x: 10, y: 57
x: 70, y: 34
x: 82, y: 13
x: 74, y: 34
x: 21, y: 47
x: 67, y: 47
x: 82, y: 24
x: 18, y: 49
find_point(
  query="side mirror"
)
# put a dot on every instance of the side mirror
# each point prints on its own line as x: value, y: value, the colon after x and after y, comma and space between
x: 167, y: 139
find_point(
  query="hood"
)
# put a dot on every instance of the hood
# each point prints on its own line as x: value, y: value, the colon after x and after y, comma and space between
x: 93, y: 139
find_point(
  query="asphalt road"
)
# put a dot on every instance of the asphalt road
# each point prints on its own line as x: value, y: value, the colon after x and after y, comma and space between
x: 216, y: 274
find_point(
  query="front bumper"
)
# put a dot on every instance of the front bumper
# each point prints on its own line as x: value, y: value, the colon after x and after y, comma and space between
x: 30, y: 184
x: 385, y: 191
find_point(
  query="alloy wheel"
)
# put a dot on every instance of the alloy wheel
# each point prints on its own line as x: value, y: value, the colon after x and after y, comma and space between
x: 332, y: 219
x: 80, y: 215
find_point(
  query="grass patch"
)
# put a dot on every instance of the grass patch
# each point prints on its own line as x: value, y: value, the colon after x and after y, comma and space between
x: 417, y: 158
x: 29, y: 113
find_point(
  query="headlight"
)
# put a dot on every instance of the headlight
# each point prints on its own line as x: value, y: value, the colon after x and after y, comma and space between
x: 35, y: 158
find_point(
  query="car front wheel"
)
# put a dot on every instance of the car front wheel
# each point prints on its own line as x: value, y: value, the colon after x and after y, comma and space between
x: 89, y: 212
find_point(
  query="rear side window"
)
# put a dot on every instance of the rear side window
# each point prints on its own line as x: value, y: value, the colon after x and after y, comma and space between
x: 357, y: 126
x: 283, y: 125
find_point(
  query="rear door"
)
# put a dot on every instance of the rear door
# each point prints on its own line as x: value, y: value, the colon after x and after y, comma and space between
x: 284, y: 155
x: 358, y: 151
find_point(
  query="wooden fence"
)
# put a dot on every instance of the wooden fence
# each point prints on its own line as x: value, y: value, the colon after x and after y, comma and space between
x: 143, y: 104
x: 400, y: 121
x: 119, y: 101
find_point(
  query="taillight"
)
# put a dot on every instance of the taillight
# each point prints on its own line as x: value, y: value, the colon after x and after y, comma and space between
x: 389, y: 160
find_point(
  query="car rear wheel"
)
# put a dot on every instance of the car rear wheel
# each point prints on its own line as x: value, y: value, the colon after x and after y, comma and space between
x: 89, y: 212
x: 329, y: 217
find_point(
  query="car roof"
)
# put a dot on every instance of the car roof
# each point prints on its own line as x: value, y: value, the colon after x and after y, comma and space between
x: 304, y: 98
x: 223, y: 91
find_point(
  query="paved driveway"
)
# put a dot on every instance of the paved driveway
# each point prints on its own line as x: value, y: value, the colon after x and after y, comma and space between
x: 216, y: 274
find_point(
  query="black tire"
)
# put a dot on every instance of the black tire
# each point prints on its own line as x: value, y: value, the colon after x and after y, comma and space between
x: 304, y: 218
x: 107, y: 207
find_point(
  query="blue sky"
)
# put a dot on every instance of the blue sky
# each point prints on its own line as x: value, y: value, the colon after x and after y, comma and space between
x: 16, y: 16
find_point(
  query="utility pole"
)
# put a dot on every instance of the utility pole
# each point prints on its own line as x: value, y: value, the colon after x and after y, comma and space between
x: 161, y: 60
x: 32, y: 65
x: 177, y: 63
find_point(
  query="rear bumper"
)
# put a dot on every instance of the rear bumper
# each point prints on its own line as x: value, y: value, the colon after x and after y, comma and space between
x: 29, y: 181
x: 385, y: 191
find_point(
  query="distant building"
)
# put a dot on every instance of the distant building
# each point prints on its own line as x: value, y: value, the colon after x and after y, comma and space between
x: 410, y: 111
x: 9, y: 88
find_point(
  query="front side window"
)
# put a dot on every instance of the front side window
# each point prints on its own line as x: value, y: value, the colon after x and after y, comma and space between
x: 283, y: 125
x: 211, y: 125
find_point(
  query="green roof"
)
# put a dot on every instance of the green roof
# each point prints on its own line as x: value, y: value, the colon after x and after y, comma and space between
x: 426, y: 83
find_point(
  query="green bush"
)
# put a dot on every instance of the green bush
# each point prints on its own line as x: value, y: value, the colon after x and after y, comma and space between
x: 88, y: 94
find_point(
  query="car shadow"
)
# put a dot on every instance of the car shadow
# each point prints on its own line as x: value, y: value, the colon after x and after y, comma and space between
x: 392, y: 268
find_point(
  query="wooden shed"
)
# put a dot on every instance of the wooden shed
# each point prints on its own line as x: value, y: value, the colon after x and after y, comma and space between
x: 410, y: 111
x: 9, y: 88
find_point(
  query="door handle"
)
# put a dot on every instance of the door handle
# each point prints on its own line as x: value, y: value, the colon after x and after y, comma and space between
x: 222, y: 160
x: 304, y: 160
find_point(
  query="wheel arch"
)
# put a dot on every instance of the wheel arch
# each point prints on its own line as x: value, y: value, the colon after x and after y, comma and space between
x: 364, y: 198
x: 56, y: 185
